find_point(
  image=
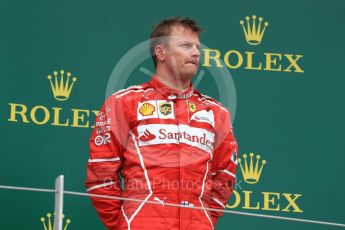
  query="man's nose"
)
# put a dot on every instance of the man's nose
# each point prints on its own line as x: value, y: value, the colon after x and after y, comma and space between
x: 195, y: 51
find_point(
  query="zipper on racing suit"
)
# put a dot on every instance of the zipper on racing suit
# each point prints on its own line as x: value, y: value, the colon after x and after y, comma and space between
x: 176, y: 101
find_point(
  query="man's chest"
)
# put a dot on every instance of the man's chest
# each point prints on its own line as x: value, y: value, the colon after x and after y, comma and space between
x: 158, y: 121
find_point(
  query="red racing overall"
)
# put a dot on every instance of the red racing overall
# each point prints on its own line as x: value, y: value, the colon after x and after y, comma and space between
x: 170, y: 147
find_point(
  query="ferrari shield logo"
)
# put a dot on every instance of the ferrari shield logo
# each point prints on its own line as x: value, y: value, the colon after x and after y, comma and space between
x: 192, y: 106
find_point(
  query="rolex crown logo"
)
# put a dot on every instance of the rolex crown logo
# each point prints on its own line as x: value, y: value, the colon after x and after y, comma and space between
x: 251, y: 174
x: 61, y: 85
x: 48, y: 224
x: 252, y: 31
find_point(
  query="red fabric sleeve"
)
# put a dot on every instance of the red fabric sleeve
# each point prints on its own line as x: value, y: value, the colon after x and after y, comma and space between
x: 107, y: 144
x: 224, y: 166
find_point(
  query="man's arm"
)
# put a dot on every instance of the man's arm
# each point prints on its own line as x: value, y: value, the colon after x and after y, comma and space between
x: 224, y: 166
x: 107, y: 144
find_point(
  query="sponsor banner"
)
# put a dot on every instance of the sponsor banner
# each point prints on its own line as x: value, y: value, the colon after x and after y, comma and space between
x: 251, y: 166
x: 155, y: 134
x: 204, y: 116
x: 155, y: 109
x: 102, y: 139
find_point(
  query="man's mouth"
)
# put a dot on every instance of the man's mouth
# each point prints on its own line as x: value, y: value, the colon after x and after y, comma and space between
x: 193, y: 62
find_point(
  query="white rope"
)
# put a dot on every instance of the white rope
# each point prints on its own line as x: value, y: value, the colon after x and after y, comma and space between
x: 178, y: 205
x: 27, y: 189
x: 209, y: 209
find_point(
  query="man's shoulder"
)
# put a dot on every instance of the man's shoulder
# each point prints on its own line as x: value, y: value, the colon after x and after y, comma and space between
x: 216, y: 105
x: 132, y: 90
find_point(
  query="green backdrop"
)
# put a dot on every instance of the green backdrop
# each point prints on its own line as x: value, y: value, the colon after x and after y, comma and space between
x: 293, y: 117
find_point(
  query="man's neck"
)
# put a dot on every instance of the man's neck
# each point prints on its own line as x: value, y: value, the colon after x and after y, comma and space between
x: 172, y: 81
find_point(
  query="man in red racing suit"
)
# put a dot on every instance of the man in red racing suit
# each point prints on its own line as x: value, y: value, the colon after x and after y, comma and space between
x: 170, y: 146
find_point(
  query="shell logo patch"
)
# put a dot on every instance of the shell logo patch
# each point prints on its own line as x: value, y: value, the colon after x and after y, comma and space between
x: 147, y: 109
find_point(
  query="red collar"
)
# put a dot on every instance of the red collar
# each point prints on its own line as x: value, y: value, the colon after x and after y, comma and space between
x: 169, y: 92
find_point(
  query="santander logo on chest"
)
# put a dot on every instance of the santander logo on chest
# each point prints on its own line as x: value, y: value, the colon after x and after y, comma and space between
x: 154, y: 134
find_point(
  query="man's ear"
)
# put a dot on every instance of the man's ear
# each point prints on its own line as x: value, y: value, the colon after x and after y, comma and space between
x: 160, y: 52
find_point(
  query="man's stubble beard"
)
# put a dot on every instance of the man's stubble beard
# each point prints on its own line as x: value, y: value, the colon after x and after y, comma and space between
x: 179, y: 75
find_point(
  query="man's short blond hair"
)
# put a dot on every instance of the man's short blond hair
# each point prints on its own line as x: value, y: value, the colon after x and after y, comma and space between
x: 164, y: 28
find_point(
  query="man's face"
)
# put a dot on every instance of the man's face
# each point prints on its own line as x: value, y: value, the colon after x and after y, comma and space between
x: 182, y: 52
